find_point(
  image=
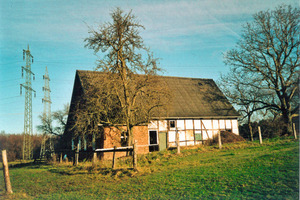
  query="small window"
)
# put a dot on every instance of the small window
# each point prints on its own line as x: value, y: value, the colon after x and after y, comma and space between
x: 124, y: 137
x: 172, y: 124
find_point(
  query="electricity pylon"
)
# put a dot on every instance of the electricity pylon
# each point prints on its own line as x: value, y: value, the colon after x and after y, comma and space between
x: 27, y: 145
x: 47, y: 144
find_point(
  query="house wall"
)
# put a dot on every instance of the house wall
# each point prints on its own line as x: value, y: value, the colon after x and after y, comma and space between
x: 193, y: 131
x: 113, y: 138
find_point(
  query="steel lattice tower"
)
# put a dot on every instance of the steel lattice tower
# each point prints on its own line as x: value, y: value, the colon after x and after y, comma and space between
x: 47, y: 116
x: 27, y: 145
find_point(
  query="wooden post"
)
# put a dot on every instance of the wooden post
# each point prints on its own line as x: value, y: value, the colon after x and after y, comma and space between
x: 6, y: 173
x: 61, y: 158
x: 177, y: 142
x: 134, y: 155
x: 94, y: 148
x: 94, y: 157
x: 77, y: 154
x: 219, y: 140
x: 259, y: 135
x: 54, y: 157
x: 114, y: 157
x: 294, y: 130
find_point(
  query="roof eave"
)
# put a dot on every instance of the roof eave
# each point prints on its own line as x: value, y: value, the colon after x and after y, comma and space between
x: 199, y: 117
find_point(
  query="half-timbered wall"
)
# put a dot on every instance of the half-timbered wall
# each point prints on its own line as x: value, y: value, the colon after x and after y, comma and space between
x: 192, y: 131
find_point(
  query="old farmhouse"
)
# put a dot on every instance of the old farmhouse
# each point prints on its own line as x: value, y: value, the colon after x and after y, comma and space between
x: 198, y: 111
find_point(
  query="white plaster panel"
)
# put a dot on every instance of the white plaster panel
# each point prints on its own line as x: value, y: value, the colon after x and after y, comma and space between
x: 181, y: 136
x: 189, y: 135
x: 228, y: 124
x: 180, y: 124
x: 197, y: 124
x: 236, y: 131
x: 207, y: 124
x: 163, y: 125
x: 234, y: 124
x: 152, y: 125
x: 189, y: 124
x: 205, y: 135
x: 215, y: 124
x: 172, y: 135
x: 222, y: 124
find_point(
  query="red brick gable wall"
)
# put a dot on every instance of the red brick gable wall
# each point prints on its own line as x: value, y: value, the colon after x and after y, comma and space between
x: 112, y: 137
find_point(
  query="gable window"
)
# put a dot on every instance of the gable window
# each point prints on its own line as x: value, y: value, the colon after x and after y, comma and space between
x: 172, y: 124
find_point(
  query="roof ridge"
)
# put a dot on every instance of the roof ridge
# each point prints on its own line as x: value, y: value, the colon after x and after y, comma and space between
x: 191, y: 78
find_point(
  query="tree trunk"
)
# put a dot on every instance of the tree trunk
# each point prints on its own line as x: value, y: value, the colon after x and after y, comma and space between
x: 130, y: 136
x: 250, y: 128
x: 287, y: 118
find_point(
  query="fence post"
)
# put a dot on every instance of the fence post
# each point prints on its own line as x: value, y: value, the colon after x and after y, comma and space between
x: 94, y: 148
x: 219, y: 140
x: 114, y: 157
x: 77, y: 155
x: 54, y: 157
x: 134, y: 155
x: 259, y: 135
x: 6, y: 173
x: 294, y: 130
x: 177, y: 142
x: 94, y: 157
x: 61, y: 158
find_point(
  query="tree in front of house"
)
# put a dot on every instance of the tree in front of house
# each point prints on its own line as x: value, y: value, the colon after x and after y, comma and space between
x: 265, y: 63
x: 130, y: 90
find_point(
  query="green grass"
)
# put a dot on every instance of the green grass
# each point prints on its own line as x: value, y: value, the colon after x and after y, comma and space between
x: 238, y: 171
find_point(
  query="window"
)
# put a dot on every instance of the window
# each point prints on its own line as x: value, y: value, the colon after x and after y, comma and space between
x: 172, y: 124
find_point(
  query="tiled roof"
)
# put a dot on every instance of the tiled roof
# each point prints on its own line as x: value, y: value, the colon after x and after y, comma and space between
x: 191, y: 97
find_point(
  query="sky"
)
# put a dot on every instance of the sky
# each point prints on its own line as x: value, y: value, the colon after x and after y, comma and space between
x: 188, y: 37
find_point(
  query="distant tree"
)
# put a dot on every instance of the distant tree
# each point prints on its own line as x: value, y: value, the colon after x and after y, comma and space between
x: 13, y: 144
x: 128, y: 97
x: 266, y: 61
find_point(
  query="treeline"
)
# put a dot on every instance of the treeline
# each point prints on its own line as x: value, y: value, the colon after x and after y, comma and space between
x: 269, y: 128
x: 13, y: 144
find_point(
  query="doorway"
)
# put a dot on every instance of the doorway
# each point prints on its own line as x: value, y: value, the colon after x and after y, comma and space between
x: 162, y: 141
x: 153, y: 145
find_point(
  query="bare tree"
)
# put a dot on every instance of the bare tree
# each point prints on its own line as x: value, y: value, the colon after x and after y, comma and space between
x: 54, y: 125
x: 236, y: 89
x: 130, y: 90
x: 268, y: 52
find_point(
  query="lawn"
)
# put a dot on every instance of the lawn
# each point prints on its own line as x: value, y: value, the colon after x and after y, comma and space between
x: 238, y: 171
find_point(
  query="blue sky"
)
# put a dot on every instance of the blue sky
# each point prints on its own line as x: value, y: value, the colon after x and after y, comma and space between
x: 189, y: 37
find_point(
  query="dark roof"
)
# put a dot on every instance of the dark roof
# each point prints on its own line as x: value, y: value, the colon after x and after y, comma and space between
x: 191, y: 97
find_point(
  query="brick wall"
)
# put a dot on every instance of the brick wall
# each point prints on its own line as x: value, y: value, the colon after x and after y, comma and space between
x: 113, y: 138
x: 140, y: 134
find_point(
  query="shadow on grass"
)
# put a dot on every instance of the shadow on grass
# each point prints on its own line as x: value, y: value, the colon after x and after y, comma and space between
x: 30, y: 165
x: 71, y: 170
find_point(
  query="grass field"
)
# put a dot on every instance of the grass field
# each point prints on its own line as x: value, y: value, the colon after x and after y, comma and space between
x: 238, y: 171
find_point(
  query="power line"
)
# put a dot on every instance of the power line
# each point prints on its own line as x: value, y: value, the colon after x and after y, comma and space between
x: 9, y: 97
x: 10, y: 80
